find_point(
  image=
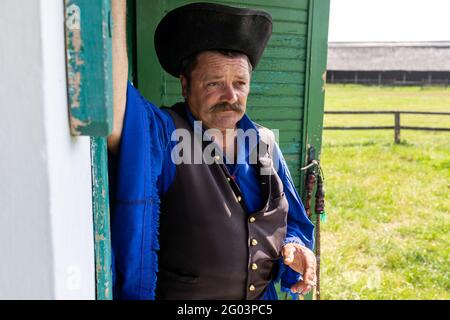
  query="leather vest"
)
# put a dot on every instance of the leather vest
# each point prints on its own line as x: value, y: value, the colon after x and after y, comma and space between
x: 210, y: 246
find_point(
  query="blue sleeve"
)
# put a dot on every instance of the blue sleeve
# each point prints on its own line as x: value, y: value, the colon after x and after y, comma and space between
x: 146, y: 133
x: 140, y: 164
x: 299, y: 228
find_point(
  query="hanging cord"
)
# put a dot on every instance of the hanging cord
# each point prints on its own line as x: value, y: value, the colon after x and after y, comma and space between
x: 315, y: 174
x: 310, y: 182
x: 320, y: 196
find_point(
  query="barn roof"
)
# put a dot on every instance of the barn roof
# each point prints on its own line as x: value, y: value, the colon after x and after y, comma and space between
x: 389, y: 56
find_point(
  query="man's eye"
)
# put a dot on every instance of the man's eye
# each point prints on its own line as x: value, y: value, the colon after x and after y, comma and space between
x: 213, y: 84
x: 241, y: 83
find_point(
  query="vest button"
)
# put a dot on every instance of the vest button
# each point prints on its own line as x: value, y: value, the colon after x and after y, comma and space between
x: 217, y: 158
x: 239, y: 198
x: 252, y: 219
x: 254, y: 242
x: 228, y: 179
x: 251, y: 288
x: 254, y: 266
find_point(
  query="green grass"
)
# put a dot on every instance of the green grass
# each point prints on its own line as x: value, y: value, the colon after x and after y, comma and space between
x: 388, y: 229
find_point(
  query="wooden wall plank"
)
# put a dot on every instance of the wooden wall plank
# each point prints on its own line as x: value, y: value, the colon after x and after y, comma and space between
x: 89, y: 66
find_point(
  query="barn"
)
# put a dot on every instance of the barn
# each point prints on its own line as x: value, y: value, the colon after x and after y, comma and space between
x: 389, y: 63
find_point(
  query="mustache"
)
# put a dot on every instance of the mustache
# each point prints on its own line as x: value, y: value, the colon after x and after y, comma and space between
x: 224, y: 106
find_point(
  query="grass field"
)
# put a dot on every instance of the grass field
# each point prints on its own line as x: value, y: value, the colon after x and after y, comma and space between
x: 388, y: 229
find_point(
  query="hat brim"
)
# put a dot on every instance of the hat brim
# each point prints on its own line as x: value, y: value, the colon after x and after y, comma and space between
x: 198, y: 27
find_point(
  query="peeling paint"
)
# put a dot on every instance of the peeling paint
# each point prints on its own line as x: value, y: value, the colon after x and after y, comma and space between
x: 89, y: 65
x: 100, y: 201
x: 100, y: 237
x: 74, y: 89
x: 74, y: 45
x: 73, y: 17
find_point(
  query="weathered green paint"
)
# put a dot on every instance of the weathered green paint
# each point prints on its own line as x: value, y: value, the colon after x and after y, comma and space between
x: 89, y: 66
x: 287, y: 87
x: 100, y: 207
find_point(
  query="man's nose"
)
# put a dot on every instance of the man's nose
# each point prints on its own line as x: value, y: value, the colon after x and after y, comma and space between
x: 229, y: 94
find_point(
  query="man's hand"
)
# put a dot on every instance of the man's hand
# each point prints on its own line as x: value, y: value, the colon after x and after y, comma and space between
x: 301, y: 259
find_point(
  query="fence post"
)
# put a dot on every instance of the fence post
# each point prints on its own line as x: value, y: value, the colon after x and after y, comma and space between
x: 397, y: 127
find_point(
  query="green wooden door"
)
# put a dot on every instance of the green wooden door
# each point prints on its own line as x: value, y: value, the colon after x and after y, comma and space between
x: 287, y: 87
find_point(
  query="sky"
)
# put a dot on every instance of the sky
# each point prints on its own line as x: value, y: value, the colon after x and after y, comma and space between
x: 389, y: 20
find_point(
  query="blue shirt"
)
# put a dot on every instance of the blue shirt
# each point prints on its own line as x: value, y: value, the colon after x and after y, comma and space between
x: 144, y: 172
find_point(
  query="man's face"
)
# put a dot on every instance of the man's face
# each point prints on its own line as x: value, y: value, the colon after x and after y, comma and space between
x: 218, y: 90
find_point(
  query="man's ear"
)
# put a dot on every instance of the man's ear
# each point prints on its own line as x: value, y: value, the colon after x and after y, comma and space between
x: 184, y: 86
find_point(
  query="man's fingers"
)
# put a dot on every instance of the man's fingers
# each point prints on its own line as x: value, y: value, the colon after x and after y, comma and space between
x: 310, y: 272
x: 309, y: 279
x: 307, y: 289
x: 302, y: 260
x: 303, y: 287
x: 288, y: 254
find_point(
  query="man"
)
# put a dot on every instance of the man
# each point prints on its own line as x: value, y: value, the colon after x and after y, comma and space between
x: 185, y: 229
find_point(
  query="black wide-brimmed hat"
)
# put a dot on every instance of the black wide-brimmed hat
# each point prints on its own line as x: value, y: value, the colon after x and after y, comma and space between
x: 201, y: 26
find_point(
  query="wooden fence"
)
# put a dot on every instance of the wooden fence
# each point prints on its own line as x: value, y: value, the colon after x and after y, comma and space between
x: 397, y: 127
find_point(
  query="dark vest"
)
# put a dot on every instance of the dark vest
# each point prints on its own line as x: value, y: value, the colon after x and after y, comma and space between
x: 210, y: 246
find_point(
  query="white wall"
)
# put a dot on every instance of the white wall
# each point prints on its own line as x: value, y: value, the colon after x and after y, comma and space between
x: 46, y: 241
